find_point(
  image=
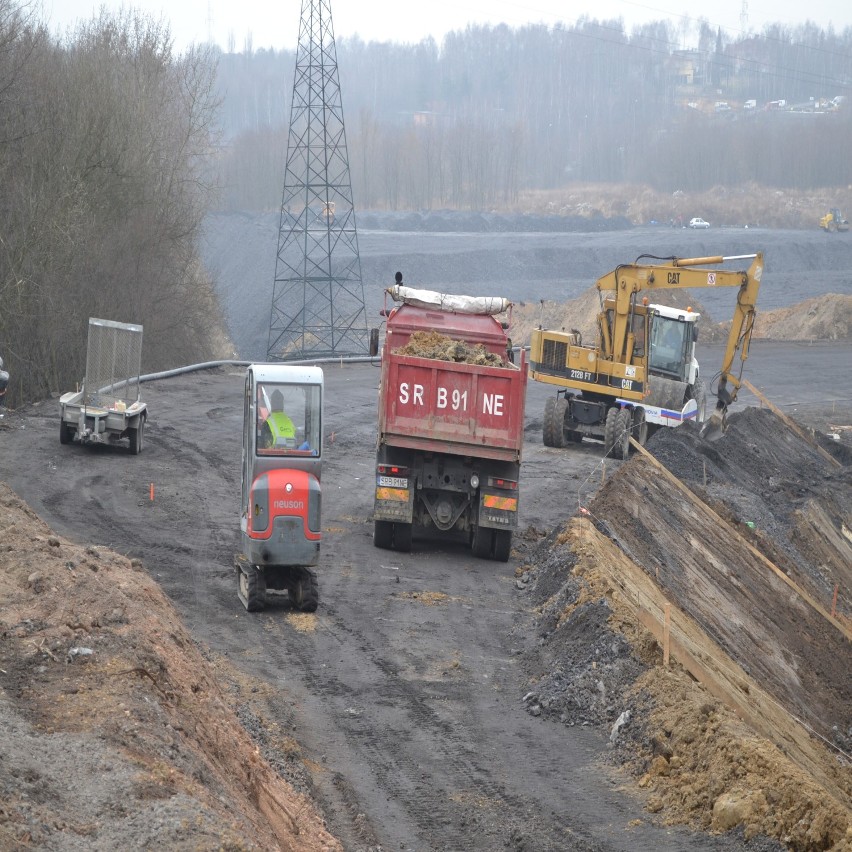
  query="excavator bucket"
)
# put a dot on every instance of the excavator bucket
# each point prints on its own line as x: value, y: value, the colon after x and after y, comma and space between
x: 714, y: 426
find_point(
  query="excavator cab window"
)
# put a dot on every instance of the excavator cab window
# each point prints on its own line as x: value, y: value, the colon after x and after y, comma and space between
x: 288, y: 419
x: 670, y: 339
x: 637, y: 326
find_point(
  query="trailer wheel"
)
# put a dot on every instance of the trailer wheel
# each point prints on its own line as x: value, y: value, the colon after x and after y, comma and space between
x: 303, y: 591
x: 136, y: 436
x: 66, y: 433
x: 251, y: 588
x: 553, y: 428
x: 383, y: 534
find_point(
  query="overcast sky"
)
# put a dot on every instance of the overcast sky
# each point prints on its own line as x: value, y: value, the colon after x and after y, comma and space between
x: 275, y: 23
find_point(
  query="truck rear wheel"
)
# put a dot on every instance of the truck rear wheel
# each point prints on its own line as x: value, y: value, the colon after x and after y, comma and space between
x: 480, y: 542
x: 502, y: 545
x: 487, y: 543
x: 402, y: 537
x: 383, y: 534
x: 553, y: 427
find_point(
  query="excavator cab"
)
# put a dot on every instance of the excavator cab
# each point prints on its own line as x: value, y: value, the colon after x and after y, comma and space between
x: 672, y: 345
x: 281, y: 497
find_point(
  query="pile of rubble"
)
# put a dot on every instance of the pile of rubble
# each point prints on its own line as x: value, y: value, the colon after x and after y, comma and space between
x: 433, y: 344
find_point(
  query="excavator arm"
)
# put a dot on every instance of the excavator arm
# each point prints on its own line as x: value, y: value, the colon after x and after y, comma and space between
x: 690, y: 273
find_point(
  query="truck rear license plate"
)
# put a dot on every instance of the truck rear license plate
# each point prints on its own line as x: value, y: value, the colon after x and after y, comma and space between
x: 393, y: 481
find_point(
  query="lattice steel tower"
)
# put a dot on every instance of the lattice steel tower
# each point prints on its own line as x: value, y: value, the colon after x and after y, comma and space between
x: 318, y: 298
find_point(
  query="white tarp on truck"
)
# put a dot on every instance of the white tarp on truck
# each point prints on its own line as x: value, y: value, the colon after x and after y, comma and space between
x: 489, y: 305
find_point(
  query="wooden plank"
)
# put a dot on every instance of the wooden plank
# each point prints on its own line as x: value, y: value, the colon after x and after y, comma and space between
x: 696, y: 501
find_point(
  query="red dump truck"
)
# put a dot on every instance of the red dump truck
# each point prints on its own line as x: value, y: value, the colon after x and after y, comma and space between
x: 450, y: 431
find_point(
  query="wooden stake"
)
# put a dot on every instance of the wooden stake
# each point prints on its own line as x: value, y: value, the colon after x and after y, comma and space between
x: 151, y: 492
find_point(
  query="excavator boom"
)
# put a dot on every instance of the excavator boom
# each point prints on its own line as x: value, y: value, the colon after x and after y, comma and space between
x: 693, y: 273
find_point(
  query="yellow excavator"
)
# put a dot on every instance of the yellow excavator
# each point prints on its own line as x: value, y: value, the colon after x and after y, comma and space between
x: 642, y: 374
x: 834, y: 221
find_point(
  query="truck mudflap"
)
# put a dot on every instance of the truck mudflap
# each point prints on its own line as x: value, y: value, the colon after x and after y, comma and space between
x: 498, y: 506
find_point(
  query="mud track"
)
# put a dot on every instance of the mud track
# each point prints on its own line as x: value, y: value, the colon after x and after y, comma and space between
x: 405, y: 691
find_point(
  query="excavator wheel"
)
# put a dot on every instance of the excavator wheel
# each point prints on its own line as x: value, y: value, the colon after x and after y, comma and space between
x: 612, y: 417
x: 251, y: 586
x: 640, y: 426
x: 699, y: 394
x: 303, y: 590
x: 617, y: 433
x: 553, y: 428
x: 622, y: 445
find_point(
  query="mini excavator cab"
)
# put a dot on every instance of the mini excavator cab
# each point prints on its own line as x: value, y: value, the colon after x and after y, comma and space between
x: 281, y: 495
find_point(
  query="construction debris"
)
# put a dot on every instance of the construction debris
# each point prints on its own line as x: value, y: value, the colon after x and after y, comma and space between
x: 433, y: 344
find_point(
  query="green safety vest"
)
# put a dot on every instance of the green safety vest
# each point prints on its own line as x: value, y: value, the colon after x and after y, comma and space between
x: 278, y: 429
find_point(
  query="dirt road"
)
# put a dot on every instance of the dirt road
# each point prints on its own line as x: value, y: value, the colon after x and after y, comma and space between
x: 405, y: 689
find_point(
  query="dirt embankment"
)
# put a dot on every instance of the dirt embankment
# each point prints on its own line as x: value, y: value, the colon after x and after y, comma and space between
x: 826, y: 317
x: 119, y: 734
x: 748, y: 205
x: 732, y: 568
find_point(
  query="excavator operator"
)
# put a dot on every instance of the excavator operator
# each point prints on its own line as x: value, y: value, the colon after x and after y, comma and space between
x: 278, y: 430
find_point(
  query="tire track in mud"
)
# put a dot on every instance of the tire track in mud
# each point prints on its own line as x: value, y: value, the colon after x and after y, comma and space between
x: 431, y: 761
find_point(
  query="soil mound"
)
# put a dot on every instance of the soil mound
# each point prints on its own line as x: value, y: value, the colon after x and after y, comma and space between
x: 827, y: 317
x: 732, y: 567
x: 117, y: 734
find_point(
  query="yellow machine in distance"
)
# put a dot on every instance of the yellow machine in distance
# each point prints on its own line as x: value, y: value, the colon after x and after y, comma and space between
x: 834, y: 221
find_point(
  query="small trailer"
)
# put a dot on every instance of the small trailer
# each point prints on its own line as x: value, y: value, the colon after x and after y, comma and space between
x: 109, y: 407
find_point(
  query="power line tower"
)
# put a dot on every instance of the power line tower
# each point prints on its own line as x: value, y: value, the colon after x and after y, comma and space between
x: 318, y: 298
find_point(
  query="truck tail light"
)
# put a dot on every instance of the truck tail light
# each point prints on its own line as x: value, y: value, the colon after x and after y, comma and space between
x: 392, y: 470
x: 494, y: 482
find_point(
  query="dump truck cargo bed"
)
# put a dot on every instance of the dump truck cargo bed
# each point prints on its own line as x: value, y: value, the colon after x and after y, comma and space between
x: 458, y: 408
